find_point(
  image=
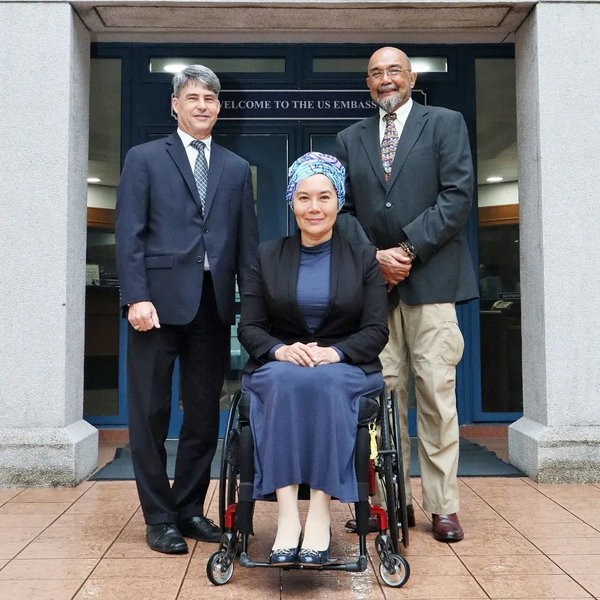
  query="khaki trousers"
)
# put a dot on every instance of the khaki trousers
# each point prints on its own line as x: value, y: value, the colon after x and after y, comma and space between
x: 428, y: 338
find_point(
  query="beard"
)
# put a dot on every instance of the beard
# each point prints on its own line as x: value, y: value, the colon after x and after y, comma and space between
x: 390, y: 103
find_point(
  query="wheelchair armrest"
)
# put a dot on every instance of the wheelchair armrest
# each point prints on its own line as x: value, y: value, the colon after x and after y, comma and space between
x: 368, y: 409
x: 244, y: 408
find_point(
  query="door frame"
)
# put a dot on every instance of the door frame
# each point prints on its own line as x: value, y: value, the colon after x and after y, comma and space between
x: 461, y: 73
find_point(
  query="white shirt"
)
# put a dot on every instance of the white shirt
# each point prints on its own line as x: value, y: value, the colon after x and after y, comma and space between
x: 192, y: 155
x: 401, y: 116
x: 191, y: 152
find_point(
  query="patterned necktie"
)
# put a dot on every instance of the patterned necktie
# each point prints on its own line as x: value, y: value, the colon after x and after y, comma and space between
x: 201, y: 172
x: 389, y: 144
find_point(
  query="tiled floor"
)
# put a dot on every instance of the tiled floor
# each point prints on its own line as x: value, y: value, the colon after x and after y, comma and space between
x: 523, y: 540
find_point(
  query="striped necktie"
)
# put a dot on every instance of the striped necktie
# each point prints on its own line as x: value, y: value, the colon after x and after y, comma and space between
x: 201, y: 172
x: 389, y: 144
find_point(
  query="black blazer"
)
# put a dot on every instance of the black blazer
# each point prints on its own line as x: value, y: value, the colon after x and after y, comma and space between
x: 355, y: 320
x: 162, y: 236
x: 427, y: 200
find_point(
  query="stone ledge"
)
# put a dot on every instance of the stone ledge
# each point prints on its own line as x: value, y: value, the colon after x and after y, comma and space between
x: 555, y: 454
x: 48, y: 457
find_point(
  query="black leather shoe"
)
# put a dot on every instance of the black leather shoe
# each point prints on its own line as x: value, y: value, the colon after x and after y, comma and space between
x: 308, y: 557
x: 166, y: 538
x: 284, y: 556
x: 374, y: 522
x: 200, y: 528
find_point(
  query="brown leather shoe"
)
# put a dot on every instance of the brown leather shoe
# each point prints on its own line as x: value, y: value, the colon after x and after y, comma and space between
x: 374, y: 522
x: 446, y: 528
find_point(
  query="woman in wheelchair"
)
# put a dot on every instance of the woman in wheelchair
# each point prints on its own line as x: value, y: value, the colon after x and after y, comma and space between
x: 314, y: 320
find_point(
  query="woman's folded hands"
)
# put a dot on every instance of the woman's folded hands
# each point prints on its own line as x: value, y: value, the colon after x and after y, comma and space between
x: 307, y: 355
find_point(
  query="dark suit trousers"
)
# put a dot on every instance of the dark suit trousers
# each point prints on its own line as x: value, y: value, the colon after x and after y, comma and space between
x: 203, y: 350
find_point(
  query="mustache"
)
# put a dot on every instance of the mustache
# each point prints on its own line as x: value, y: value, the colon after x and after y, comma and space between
x: 390, y: 87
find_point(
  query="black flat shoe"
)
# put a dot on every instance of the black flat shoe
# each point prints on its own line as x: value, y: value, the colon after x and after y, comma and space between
x: 200, y: 528
x: 166, y: 538
x: 308, y: 557
x: 284, y: 556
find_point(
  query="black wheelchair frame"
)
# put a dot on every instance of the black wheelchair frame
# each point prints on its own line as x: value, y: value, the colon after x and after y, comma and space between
x: 236, y: 505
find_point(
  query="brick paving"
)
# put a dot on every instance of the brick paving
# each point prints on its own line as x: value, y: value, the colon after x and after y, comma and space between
x: 522, y: 540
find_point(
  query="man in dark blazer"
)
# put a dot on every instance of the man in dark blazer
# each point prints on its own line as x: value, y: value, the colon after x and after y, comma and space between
x: 409, y: 185
x: 185, y: 227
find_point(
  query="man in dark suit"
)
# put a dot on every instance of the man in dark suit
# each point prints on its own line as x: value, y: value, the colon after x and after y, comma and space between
x: 410, y: 184
x: 185, y: 227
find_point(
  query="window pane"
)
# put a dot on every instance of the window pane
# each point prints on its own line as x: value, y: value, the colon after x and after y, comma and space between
x: 219, y: 64
x: 102, y: 315
x: 358, y: 64
x: 499, y: 276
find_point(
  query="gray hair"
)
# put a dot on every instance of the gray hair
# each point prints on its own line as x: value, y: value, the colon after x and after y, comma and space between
x: 196, y: 74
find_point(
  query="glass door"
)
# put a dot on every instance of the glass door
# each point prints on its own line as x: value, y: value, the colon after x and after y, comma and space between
x: 104, y: 400
x: 498, y: 217
x: 267, y: 153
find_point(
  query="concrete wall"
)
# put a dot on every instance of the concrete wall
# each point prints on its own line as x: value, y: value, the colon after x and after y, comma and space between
x: 559, y: 139
x: 44, y: 124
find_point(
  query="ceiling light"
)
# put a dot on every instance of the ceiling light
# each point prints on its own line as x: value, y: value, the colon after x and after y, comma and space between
x: 93, y: 180
x: 420, y: 66
x: 494, y: 179
x: 174, y: 67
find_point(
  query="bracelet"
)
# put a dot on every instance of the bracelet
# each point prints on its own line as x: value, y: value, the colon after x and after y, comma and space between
x: 409, y: 249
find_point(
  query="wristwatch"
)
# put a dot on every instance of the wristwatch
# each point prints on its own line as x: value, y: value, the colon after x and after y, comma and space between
x: 409, y: 249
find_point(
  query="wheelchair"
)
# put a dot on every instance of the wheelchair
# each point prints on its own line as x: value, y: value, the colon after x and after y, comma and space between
x: 383, y: 461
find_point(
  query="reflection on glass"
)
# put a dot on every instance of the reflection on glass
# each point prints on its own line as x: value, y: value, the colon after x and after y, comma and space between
x: 358, y: 64
x: 499, y: 275
x: 323, y: 142
x: 219, y: 64
x: 268, y: 158
x: 238, y: 360
x: 101, y: 362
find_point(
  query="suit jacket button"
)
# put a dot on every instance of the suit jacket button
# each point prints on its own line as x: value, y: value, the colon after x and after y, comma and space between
x: 205, y: 230
x: 388, y: 205
x: 199, y: 259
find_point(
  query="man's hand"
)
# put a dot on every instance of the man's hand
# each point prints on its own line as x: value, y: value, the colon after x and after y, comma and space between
x: 395, y: 265
x: 142, y: 316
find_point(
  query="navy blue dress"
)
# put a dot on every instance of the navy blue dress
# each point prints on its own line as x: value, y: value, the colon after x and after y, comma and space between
x: 304, y: 420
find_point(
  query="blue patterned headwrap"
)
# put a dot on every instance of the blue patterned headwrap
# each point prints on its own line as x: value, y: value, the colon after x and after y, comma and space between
x: 315, y: 163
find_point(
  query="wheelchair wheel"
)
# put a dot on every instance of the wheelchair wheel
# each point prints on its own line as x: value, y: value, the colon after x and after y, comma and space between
x: 228, y: 482
x: 396, y: 441
x: 217, y: 571
x: 392, y: 472
x: 387, y: 473
x: 401, y: 571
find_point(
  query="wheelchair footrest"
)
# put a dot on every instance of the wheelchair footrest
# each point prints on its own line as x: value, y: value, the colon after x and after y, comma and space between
x: 354, y: 567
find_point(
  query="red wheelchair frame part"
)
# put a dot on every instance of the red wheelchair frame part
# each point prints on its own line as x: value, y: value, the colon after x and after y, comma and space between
x: 230, y: 516
x: 371, y: 478
x: 381, y: 515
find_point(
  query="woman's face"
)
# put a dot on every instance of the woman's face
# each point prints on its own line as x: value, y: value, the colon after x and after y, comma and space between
x: 315, y: 206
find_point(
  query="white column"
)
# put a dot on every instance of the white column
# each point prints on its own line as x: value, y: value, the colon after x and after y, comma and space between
x: 558, y: 87
x: 44, y: 94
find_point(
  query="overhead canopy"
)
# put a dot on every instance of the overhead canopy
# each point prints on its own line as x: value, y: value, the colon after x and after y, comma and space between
x: 418, y: 21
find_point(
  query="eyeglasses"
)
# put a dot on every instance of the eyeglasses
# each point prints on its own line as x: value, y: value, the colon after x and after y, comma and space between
x: 393, y: 73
